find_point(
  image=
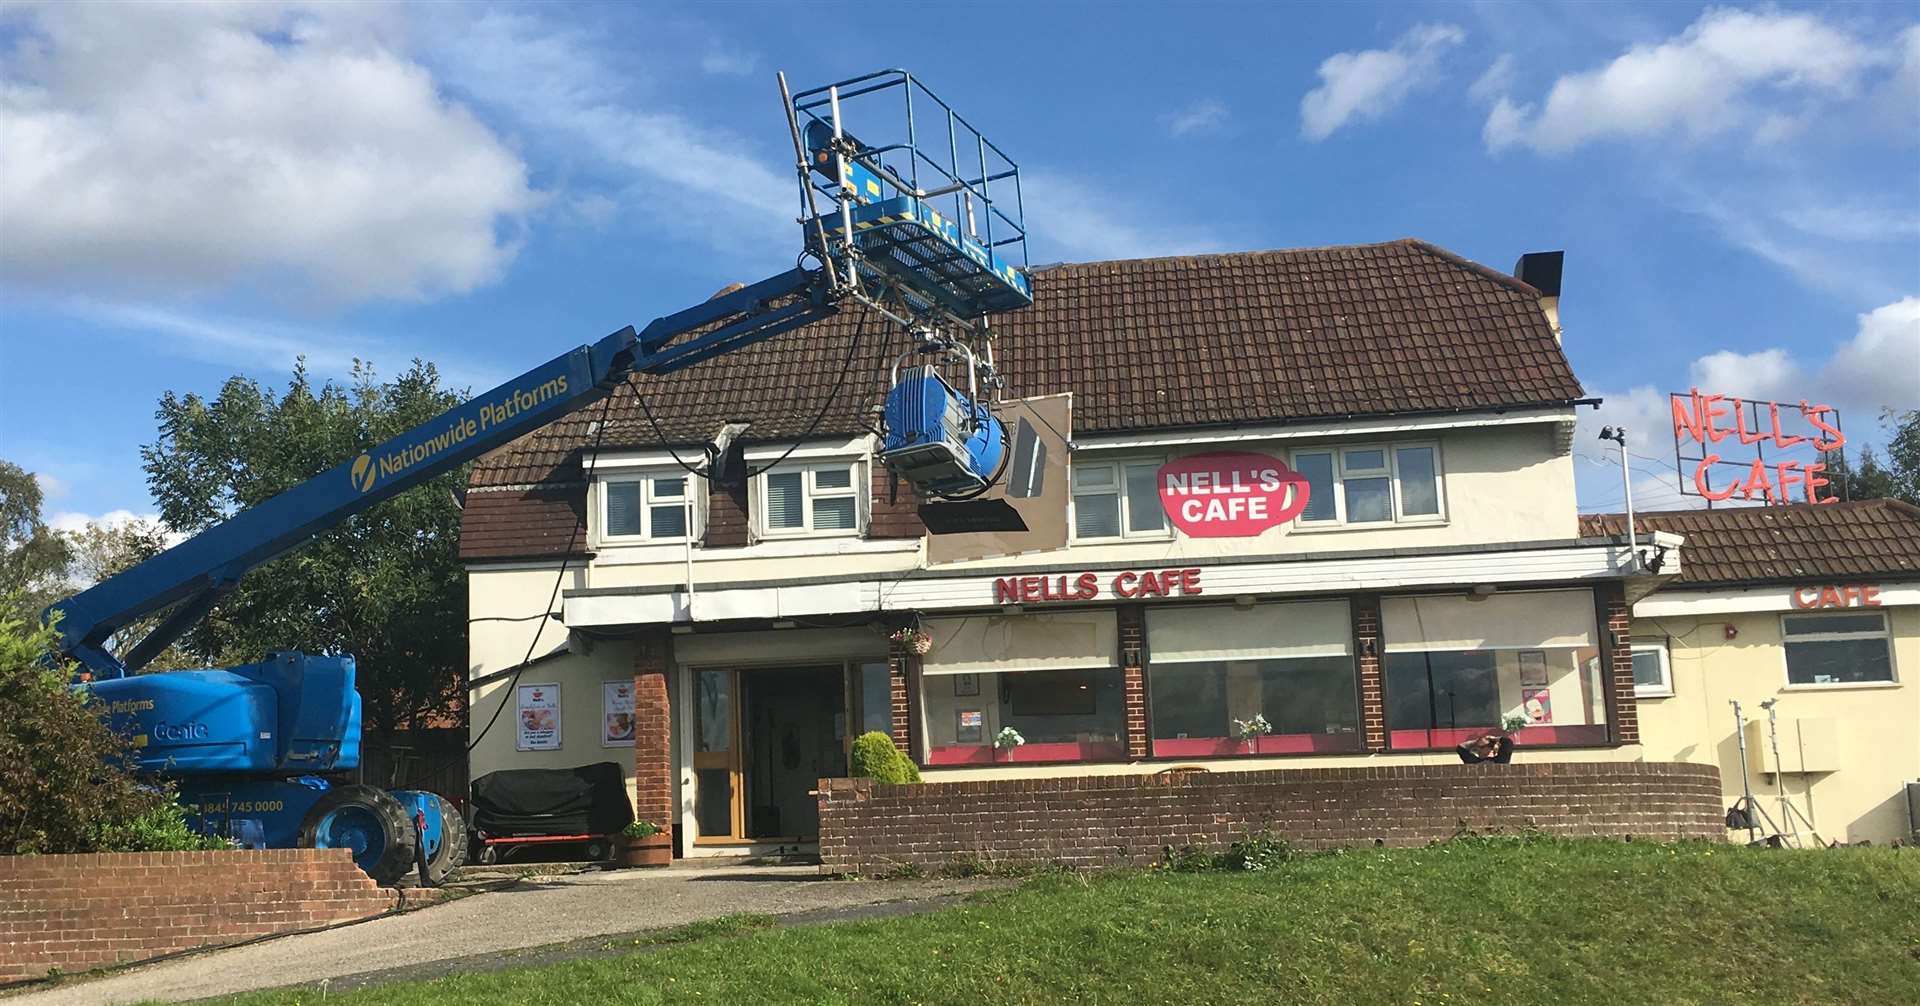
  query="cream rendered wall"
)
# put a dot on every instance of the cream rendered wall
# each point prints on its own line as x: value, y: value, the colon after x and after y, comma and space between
x: 1878, y: 725
x: 499, y: 592
x: 1503, y: 484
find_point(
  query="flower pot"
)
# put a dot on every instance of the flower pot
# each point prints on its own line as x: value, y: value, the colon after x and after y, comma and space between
x: 654, y: 850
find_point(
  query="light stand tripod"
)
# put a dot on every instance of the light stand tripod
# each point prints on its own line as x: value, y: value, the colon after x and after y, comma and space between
x: 1788, y: 812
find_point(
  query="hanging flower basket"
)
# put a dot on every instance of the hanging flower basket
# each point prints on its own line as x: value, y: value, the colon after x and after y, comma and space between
x: 914, y: 641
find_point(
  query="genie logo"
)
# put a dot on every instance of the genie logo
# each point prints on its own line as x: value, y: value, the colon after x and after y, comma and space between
x: 363, y: 473
x: 189, y: 731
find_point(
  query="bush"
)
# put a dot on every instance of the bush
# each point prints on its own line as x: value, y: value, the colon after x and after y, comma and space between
x: 66, y: 783
x: 875, y: 757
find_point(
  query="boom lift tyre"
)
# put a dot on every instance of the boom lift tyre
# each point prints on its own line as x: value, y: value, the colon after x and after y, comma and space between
x: 454, y: 825
x: 370, y: 822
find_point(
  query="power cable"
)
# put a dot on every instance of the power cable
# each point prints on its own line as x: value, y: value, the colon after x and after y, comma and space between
x: 559, y: 578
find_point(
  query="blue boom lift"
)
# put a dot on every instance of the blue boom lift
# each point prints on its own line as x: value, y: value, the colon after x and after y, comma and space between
x: 260, y: 751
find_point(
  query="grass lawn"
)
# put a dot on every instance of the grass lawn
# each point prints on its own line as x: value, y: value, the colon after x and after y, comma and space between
x: 1493, y: 922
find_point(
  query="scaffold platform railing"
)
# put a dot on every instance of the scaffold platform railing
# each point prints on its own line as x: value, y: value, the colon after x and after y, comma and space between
x: 920, y: 207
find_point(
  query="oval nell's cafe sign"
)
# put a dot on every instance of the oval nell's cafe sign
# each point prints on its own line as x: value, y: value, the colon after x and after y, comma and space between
x: 1226, y: 494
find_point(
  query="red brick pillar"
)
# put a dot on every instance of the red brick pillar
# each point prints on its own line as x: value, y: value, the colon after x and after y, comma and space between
x: 1133, y: 634
x: 1366, y: 647
x: 1616, y: 654
x: 653, y: 729
x: 902, y: 671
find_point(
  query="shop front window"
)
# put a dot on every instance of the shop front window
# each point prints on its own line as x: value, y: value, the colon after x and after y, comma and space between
x: 1458, y: 668
x: 1259, y: 679
x: 1838, y: 648
x: 1058, y: 716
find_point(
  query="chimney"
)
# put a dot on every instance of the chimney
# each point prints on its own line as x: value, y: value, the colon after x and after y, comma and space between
x: 1541, y: 270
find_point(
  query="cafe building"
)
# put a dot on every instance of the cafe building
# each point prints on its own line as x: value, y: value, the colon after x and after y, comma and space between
x: 1814, y: 610
x: 1313, y: 507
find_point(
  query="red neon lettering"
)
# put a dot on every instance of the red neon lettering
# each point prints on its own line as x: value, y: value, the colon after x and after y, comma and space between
x: 1781, y: 439
x: 1712, y: 410
x: 1686, y: 416
x: 1870, y: 597
x: 1740, y: 424
x: 1700, y: 479
x: 1801, y: 600
x: 1814, y: 482
x: 1788, y: 473
x: 1813, y: 414
x: 1756, y: 481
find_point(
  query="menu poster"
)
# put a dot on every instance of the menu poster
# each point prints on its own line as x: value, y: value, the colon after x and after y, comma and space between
x: 538, y: 709
x: 616, y: 714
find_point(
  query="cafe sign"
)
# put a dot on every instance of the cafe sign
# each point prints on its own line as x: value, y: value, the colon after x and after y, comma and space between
x: 1727, y: 448
x: 1230, y: 494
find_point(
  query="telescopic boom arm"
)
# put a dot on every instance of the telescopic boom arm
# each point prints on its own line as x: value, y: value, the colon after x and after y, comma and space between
x: 193, y: 576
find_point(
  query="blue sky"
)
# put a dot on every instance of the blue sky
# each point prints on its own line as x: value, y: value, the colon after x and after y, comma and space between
x: 189, y: 193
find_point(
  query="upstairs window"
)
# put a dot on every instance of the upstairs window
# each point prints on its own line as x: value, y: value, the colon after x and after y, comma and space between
x: 1372, y: 485
x: 652, y: 508
x: 810, y: 499
x: 1117, y: 499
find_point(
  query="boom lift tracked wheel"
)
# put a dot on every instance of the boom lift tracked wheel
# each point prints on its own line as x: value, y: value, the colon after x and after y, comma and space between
x: 368, y: 821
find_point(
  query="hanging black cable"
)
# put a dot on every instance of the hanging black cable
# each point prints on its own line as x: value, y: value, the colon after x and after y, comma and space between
x: 559, y: 578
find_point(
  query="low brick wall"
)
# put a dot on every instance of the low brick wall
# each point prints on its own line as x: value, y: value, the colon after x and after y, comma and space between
x: 81, y: 912
x: 1113, y: 820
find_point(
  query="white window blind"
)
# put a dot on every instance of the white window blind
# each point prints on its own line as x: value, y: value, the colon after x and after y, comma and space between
x: 984, y: 644
x: 623, y: 508
x: 785, y: 501
x: 1182, y: 634
x: 1501, y: 621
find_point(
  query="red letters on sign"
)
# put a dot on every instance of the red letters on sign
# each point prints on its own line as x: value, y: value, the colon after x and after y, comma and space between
x: 1086, y: 586
x: 1703, y: 419
x: 1836, y: 597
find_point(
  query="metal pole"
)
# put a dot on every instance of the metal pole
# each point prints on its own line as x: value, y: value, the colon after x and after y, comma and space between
x: 1746, y: 781
x: 841, y: 177
x: 806, y: 185
x: 1789, y: 829
x: 1626, y: 479
x: 688, y: 527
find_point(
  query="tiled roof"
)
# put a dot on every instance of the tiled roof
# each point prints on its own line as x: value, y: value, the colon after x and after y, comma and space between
x: 1206, y: 340
x: 1797, y: 544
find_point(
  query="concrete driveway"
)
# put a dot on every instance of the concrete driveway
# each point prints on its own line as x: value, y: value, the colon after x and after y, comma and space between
x: 534, y: 912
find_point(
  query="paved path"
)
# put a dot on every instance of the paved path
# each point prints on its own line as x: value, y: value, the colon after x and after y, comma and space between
x: 535, y: 912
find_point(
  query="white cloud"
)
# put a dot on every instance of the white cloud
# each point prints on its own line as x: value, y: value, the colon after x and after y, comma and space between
x: 1366, y: 84
x: 1880, y: 366
x: 70, y: 521
x: 1203, y: 116
x: 51, y: 487
x: 569, y: 90
x: 1495, y: 82
x: 175, y: 149
x: 723, y: 61
x: 1714, y: 77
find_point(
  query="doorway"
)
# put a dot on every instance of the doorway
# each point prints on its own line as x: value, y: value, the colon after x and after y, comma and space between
x: 764, y: 739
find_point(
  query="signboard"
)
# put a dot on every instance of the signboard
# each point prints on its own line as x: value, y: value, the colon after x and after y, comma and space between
x: 616, y: 714
x: 1727, y: 448
x: 1836, y: 597
x: 1230, y: 494
x: 1126, y: 584
x: 537, y: 717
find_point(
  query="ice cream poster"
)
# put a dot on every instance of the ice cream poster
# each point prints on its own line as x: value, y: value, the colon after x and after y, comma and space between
x: 538, y: 714
x: 616, y: 716
x: 1537, y: 703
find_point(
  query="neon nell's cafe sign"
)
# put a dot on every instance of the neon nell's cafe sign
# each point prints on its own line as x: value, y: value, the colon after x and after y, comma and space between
x: 1719, y: 423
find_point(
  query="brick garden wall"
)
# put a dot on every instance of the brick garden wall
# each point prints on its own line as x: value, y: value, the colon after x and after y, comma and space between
x: 81, y: 912
x: 1090, y: 821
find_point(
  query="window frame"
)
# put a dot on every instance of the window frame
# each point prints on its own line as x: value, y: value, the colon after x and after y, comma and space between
x: 810, y: 492
x: 1884, y: 634
x: 1119, y: 467
x: 688, y: 500
x: 1390, y: 450
x: 1663, y: 690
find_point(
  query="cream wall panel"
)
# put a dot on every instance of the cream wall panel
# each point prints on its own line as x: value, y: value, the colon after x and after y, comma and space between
x: 1878, y: 735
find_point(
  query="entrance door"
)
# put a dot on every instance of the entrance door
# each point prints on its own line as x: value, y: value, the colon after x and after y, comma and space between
x: 795, y: 724
x: 718, y: 806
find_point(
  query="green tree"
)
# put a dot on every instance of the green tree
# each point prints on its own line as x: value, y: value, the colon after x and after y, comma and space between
x: 62, y: 772
x: 33, y: 557
x: 1899, y: 478
x: 385, y: 586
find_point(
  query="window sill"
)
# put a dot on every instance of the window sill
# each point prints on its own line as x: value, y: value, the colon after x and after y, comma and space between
x: 1842, y: 686
x: 1315, y: 527
x: 1666, y: 694
x: 808, y: 535
x: 1160, y: 539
